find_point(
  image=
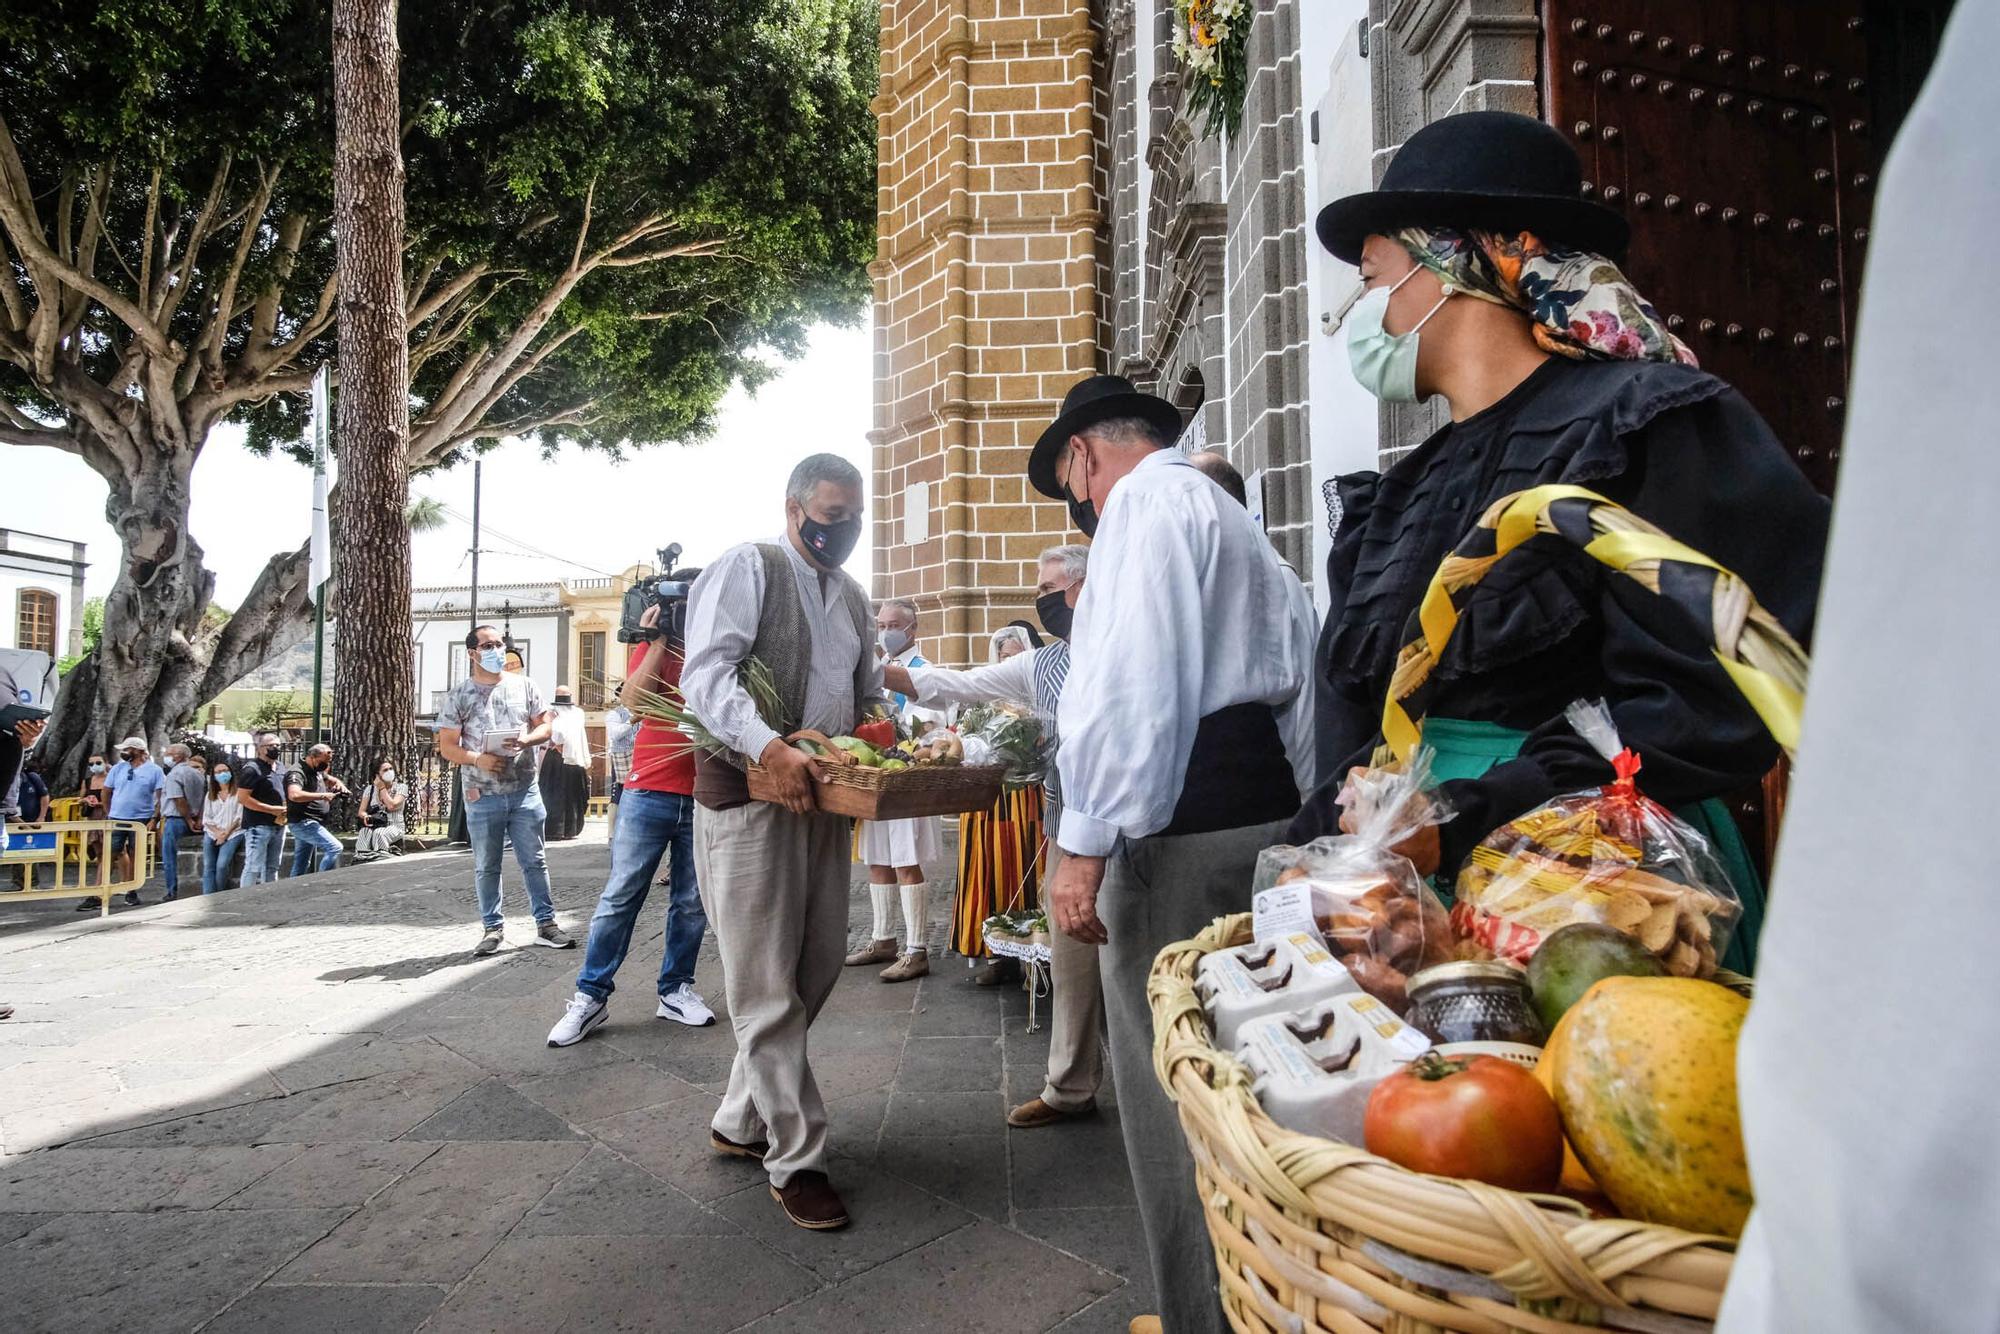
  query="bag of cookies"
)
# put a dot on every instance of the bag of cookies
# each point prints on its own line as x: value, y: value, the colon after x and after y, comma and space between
x: 1374, y: 911
x: 1610, y: 855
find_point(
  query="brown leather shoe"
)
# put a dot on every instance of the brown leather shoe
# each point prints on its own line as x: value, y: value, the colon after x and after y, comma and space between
x: 808, y: 1199
x: 998, y: 973
x: 909, y: 968
x: 875, y: 951
x: 1034, y: 1113
x: 1143, y: 1324
x: 729, y: 1148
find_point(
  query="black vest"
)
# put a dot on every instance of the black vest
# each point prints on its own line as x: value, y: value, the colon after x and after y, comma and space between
x: 1237, y: 774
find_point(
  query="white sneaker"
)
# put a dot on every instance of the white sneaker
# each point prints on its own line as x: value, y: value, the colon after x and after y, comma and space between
x: 582, y: 1014
x: 684, y: 1005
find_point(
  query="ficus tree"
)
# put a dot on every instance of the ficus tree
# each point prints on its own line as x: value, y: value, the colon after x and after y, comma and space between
x: 616, y: 209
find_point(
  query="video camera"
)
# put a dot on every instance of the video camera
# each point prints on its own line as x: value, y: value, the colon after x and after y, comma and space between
x: 667, y: 590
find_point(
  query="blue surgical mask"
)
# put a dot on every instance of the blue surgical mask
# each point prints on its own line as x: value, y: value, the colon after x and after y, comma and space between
x: 1385, y: 364
x: 892, y: 641
x: 222, y: 777
x: 493, y: 659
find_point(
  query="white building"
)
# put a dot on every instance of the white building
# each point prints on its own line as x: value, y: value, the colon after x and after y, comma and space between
x: 41, y: 593
x: 534, y: 616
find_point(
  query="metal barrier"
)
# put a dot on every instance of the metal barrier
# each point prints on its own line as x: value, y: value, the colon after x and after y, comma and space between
x: 78, y: 856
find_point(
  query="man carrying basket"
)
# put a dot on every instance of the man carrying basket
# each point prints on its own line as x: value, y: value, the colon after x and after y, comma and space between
x: 1186, y: 726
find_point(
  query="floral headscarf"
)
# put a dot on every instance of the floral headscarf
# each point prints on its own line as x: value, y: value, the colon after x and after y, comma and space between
x: 1581, y: 305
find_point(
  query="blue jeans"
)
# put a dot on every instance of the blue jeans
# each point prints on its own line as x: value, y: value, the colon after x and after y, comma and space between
x: 490, y: 822
x: 309, y: 837
x: 172, y: 830
x: 649, y: 824
x: 216, y: 859
x: 262, y: 846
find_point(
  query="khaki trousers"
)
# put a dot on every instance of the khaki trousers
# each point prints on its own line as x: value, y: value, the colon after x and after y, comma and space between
x: 775, y: 887
x: 1076, y: 1029
x: 1156, y: 891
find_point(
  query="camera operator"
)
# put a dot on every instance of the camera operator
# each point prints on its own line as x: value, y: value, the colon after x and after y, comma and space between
x: 655, y: 819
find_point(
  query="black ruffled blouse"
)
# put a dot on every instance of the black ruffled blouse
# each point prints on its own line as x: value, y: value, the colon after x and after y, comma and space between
x: 1549, y: 625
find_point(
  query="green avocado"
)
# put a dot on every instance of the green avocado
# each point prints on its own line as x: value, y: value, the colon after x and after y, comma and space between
x: 864, y: 754
x: 1577, y: 957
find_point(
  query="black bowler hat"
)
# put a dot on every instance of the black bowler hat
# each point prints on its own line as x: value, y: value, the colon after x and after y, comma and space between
x: 1097, y: 399
x: 1492, y: 170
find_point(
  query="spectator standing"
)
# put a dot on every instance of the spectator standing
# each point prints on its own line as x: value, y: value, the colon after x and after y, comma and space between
x: 132, y: 791
x: 309, y: 794
x: 180, y: 808
x: 566, y: 770
x: 260, y: 789
x: 897, y: 851
x: 621, y: 730
x: 382, y: 803
x: 658, y: 820
x: 489, y: 725
x: 34, y: 796
x: 221, y: 828
x: 90, y: 806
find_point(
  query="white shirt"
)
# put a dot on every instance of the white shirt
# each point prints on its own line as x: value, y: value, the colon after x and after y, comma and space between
x: 569, y: 733
x: 723, y: 610
x: 1187, y: 611
x: 913, y: 709
x: 221, y: 813
x: 1866, y: 1071
x: 1011, y: 680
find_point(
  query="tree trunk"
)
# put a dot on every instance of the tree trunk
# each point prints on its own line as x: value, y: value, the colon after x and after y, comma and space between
x: 374, y: 693
x: 158, y: 658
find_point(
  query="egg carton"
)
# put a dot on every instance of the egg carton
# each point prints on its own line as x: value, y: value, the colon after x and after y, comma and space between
x: 1315, y: 1067
x: 1268, y: 977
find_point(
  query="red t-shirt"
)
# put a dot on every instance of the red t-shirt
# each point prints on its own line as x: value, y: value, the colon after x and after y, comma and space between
x: 661, y: 759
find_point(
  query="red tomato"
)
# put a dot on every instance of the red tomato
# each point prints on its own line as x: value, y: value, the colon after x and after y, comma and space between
x: 1484, y: 1119
x: 880, y: 734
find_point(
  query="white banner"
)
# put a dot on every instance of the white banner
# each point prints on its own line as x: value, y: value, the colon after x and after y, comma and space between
x: 322, y: 449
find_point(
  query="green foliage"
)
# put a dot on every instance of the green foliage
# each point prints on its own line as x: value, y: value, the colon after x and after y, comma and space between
x: 425, y: 514
x: 270, y: 712
x: 93, y: 630
x: 744, y: 126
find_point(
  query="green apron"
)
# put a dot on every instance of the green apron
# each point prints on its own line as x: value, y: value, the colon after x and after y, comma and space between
x: 1463, y: 749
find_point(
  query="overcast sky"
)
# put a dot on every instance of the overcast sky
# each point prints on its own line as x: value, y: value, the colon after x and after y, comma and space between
x: 590, y: 515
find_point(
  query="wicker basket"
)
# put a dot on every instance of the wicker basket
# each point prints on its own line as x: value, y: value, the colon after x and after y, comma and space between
x: 1313, y: 1236
x: 873, y: 794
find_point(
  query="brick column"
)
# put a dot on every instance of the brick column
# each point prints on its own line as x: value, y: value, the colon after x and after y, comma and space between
x: 986, y: 300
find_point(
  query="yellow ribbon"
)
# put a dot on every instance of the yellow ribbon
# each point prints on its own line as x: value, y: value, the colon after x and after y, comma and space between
x: 1516, y: 518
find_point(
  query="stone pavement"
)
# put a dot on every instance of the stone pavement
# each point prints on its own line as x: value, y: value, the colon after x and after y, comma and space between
x: 307, y: 1108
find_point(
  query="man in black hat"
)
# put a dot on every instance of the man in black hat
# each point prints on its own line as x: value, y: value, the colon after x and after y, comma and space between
x: 1187, y: 738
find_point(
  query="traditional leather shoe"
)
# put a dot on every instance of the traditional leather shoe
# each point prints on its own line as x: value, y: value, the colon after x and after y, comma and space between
x: 875, y: 951
x: 909, y: 968
x: 1143, y: 1324
x: 808, y: 1199
x: 729, y: 1148
x: 998, y: 973
x: 1034, y: 1112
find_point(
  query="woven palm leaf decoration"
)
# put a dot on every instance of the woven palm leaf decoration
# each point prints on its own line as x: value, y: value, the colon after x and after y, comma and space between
x: 1764, y: 661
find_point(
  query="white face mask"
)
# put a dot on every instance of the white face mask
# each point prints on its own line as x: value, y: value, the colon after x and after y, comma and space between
x: 893, y: 642
x: 1385, y: 364
x: 388, y: 775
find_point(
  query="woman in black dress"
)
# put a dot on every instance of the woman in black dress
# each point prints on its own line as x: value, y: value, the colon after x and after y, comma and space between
x: 1489, y: 280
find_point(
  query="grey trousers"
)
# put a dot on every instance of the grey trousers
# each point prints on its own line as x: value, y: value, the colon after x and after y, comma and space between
x: 775, y: 888
x: 1076, y: 1039
x: 1156, y: 891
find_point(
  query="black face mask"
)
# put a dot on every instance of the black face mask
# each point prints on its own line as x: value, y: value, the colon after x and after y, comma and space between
x: 269, y: 752
x: 1083, y: 513
x: 830, y: 544
x: 1055, y: 614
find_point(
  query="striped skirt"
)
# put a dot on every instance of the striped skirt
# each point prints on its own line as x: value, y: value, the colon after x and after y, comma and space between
x: 999, y: 865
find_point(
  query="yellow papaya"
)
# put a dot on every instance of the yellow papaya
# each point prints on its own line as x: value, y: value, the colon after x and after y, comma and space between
x: 1644, y: 1074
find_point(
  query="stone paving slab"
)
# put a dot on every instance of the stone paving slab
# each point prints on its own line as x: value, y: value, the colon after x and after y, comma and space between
x: 306, y: 1107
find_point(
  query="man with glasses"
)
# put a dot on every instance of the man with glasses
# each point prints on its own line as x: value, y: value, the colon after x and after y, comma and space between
x: 260, y: 790
x: 134, y: 784
x: 489, y: 725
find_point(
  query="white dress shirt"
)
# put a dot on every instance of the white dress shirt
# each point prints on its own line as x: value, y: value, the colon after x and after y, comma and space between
x: 1188, y: 610
x: 1867, y: 1105
x: 569, y: 733
x: 1011, y: 680
x: 723, y: 610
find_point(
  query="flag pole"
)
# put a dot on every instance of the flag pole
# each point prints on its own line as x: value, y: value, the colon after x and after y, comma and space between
x: 321, y: 556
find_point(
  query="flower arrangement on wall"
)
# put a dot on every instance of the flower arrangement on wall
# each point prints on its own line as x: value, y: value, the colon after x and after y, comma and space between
x: 1212, y: 43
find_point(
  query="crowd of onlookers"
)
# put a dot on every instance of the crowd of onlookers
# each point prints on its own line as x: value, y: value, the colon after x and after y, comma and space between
x: 226, y: 804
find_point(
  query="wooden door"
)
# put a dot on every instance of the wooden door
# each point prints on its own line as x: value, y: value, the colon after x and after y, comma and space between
x: 1742, y: 141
